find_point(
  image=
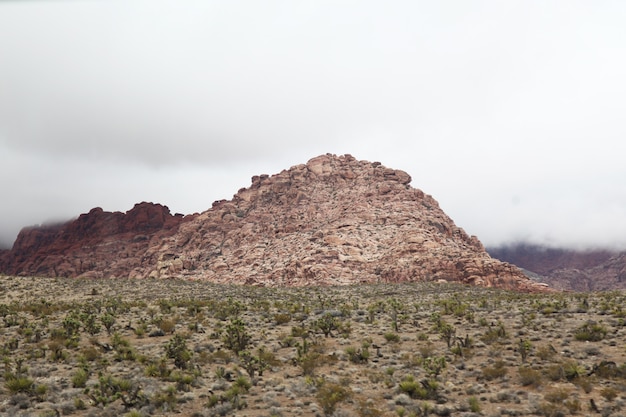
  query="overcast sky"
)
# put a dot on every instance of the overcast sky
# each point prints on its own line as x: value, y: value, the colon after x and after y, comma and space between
x: 510, y: 113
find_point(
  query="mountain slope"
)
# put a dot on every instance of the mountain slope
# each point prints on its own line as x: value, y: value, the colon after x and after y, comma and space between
x: 567, y: 269
x: 334, y: 220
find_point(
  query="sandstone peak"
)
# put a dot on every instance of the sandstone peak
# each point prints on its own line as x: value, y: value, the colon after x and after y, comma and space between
x: 334, y: 220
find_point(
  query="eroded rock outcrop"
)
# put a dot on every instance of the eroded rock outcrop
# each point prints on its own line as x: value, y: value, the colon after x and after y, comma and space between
x: 96, y: 244
x: 334, y: 220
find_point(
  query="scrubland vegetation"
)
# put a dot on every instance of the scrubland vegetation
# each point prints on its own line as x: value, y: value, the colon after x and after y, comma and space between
x: 76, y: 347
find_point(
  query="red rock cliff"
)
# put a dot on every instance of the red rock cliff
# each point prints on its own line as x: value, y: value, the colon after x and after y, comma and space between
x: 98, y: 243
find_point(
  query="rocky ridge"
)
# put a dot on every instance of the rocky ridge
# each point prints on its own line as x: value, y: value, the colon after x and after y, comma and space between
x: 96, y: 244
x: 332, y: 221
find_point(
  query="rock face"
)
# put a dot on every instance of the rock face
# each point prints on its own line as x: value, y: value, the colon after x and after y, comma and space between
x: 332, y: 221
x: 566, y: 269
x: 96, y: 244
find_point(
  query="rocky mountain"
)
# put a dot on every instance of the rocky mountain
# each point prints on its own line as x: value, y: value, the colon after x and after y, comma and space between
x: 567, y: 269
x: 334, y: 220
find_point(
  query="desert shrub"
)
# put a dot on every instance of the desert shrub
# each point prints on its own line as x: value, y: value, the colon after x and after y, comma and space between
x: 90, y: 324
x: 176, y: 349
x: 90, y: 353
x: 220, y: 356
x: 331, y: 394
x: 309, y: 362
x: 433, y: 365
x: 573, y: 405
x: 242, y: 383
x: 591, y: 332
x: 251, y: 363
x: 357, y: 355
x: 183, y: 380
x: 79, y: 403
x: 523, y: 348
x: 548, y: 409
x: 158, y: 369
x: 80, y: 377
x: 474, y: 404
x: 227, y: 309
x: 555, y: 372
x: 545, y: 352
x: 367, y: 409
x: 235, y: 337
x: 585, y: 383
x: 391, y: 337
x: 447, y: 333
x: 422, y: 337
x: 498, y: 370
x: 572, y: 370
x: 19, y: 384
x: 125, y: 353
x: 141, y: 329
x: 327, y: 324
x: 427, y: 350
x: 556, y: 395
x: 286, y: 340
x: 529, y: 376
x: 608, y: 369
x: 108, y: 321
x: 494, y: 334
x: 41, y: 391
x: 165, y: 400
x: 72, y: 324
x: 167, y: 326
x: 57, y: 352
x: 609, y: 393
x: 568, y: 370
x: 423, y: 390
x: 282, y: 318
x: 266, y: 359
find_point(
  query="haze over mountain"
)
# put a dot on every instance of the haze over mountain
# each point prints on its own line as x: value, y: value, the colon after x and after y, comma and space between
x: 568, y: 269
x: 332, y: 221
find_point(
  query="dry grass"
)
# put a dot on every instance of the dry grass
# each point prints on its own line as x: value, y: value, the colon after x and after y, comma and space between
x: 154, y: 347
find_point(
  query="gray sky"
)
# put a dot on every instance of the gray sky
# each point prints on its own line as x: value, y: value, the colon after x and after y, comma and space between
x: 510, y: 113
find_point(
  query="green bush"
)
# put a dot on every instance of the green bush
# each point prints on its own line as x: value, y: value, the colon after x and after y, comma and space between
x: 590, y: 332
x: 79, y: 379
x: 474, y: 404
x: 19, y: 384
x: 392, y: 337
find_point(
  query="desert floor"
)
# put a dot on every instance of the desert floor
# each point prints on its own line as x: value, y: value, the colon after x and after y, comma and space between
x: 81, y: 347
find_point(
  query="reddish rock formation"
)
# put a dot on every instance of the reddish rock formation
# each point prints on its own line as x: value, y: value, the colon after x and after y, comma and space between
x: 332, y: 221
x: 567, y: 269
x: 98, y: 243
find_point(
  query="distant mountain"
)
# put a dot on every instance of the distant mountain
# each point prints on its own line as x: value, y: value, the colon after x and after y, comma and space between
x: 332, y: 221
x: 589, y: 270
